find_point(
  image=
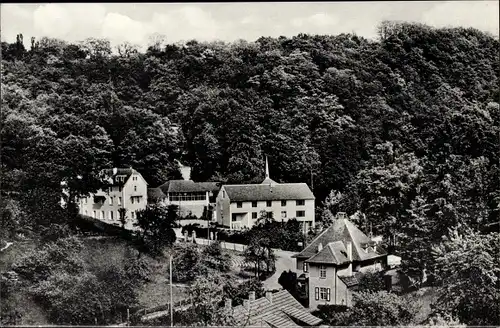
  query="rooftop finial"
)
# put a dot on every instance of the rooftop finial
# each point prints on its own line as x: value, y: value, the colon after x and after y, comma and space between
x: 267, y: 169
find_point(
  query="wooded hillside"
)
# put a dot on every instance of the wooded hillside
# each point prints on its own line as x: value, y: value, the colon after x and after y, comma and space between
x: 404, y: 129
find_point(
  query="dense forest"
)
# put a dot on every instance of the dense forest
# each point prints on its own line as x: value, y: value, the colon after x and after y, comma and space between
x: 403, y: 130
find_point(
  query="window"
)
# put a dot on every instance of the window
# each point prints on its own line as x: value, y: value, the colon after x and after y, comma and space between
x: 322, y: 293
x: 283, y: 203
x: 322, y: 271
x: 94, y: 216
x: 102, y: 215
x: 223, y: 194
x: 111, y: 215
x: 269, y: 214
x: 300, y: 202
x: 110, y: 200
x: 132, y: 213
x: 239, y: 204
x: 304, y: 267
x: 234, y: 217
x: 120, y: 188
x: 132, y: 200
x: 300, y: 214
x: 135, y: 188
x: 269, y: 203
x: 119, y: 200
x: 283, y: 214
x: 254, y: 204
x: 186, y: 196
x: 254, y: 215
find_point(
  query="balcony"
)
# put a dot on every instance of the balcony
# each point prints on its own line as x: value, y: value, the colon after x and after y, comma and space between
x: 236, y: 225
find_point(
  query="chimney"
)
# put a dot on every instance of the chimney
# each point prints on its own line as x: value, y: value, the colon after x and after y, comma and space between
x: 228, y: 304
x: 320, y: 247
x: 341, y: 215
x: 269, y: 296
x: 246, y: 305
x: 251, y: 296
x: 348, y: 246
x: 115, y: 170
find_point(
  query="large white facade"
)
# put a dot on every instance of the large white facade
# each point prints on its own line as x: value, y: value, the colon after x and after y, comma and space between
x: 239, y: 206
x: 128, y: 190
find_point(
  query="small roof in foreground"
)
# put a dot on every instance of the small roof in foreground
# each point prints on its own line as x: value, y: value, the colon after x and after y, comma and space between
x: 281, y: 312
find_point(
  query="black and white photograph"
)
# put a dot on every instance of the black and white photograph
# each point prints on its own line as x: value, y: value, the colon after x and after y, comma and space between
x: 250, y: 164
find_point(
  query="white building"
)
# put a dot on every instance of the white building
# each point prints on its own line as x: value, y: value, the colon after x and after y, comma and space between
x: 191, y: 197
x: 239, y: 206
x: 127, y: 189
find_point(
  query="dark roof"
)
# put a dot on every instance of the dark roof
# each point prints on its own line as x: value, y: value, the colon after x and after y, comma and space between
x: 255, y: 192
x: 189, y: 186
x: 342, y: 230
x: 279, y: 313
x: 110, y: 174
x: 335, y: 253
x: 155, y: 194
x: 349, y: 281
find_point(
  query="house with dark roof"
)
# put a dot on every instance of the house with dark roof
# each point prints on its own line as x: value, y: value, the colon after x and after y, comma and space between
x: 333, y: 261
x: 239, y: 206
x: 191, y: 197
x: 276, y: 309
x: 124, y: 188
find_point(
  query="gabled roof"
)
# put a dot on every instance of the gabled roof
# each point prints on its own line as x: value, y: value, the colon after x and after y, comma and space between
x: 268, y: 181
x: 155, y: 194
x: 111, y: 176
x: 279, y: 313
x: 335, y: 253
x: 189, y: 186
x: 256, y: 192
x: 342, y: 230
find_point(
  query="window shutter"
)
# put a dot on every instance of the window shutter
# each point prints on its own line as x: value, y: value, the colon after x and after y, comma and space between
x: 317, y: 293
x: 328, y: 294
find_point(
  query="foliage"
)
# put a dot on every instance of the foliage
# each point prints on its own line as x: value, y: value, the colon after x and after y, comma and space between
x: 371, y: 309
x: 333, y: 315
x: 371, y: 282
x: 403, y: 129
x: 187, y: 263
x: 382, y: 309
x: 238, y: 292
x: 467, y: 267
x: 71, y: 291
x: 156, y: 224
x: 260, y: 255
x: 206, y: 294
x: 214, y: 257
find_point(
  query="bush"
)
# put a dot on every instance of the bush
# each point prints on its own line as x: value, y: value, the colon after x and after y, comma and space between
x: 333, y: 315
x: 187, y: 263
x: 371, y: 282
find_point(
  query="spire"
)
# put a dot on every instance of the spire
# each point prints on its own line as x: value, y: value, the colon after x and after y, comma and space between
x: 267, y: 169
x: 268, y: 180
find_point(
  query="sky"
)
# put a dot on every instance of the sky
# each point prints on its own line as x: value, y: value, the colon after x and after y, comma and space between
x: 136, y: 22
